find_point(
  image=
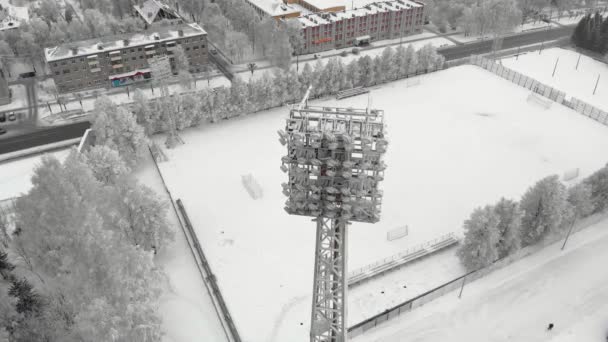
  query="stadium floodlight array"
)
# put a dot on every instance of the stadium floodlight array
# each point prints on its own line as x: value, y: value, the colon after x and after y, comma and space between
x: 334, y: 165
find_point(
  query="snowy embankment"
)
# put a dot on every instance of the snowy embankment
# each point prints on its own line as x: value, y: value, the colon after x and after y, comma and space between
x: 567, y: 288
x: 575, y: 82
x: 462, y: 138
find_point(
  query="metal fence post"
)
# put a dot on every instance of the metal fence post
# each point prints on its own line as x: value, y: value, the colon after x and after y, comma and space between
x: 462, y: 287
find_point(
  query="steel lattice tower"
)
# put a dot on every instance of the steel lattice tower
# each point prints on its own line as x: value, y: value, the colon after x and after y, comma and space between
x: 334, y: 163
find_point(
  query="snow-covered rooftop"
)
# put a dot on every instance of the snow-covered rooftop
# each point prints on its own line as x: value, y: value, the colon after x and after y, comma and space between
x: 109, y: 43
x: 324, y: 4
x: 315, y: 19
x: 150, y: 8
x: 12, y: 15
x: 274, y: 8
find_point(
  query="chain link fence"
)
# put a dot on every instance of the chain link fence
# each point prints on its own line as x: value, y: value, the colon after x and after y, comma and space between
x: 588, y: 110
x: 519, y: 79
x: 541, y: 89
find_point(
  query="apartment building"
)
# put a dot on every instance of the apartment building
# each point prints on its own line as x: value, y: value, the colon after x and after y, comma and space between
x: 376, y: 21
x: 121, y: 60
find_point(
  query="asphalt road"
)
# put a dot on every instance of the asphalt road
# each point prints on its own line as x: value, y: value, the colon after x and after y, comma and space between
x: 461, y: 51
x: 43, y: 136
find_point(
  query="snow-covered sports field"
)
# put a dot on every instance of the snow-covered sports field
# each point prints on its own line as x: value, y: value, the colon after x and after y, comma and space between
x: 574, y: 82
x: 462, y: 138
x: 567, y: 288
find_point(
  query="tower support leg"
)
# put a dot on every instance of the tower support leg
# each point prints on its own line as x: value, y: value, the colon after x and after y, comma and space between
x: 328, y: 322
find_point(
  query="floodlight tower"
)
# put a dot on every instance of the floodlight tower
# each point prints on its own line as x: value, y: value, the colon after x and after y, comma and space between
x: 334, y: 163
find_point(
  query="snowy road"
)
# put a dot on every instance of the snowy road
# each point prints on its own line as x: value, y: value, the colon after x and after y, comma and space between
x: 516, y: 303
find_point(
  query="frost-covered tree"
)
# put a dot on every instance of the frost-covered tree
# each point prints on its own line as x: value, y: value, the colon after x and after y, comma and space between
x: 509, y: 226
x: 106, y: 164
x: 143, y: 112
x: 366, y: 69
x: 579, y: 199
x: 306, y: 77
x: 480, y: 239
x: 598, y: 183
x: 319, y: 78
x: 117, y: 128
x: 352, y: 74
x: 544, y: 206
x: 388, y: 63
x: 428, y: 58
x: 182, y: 65
x: 143, y: 216
x: 90, y: 274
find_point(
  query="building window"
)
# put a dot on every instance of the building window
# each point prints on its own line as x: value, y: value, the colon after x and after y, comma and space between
x: 57, y: 72
x: 134, y: 58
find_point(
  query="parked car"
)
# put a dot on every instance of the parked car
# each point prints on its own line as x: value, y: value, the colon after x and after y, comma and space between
x: 213, y: 51
x: 29, y: 74
x: 2, y: 130
x: 344, y: 53
x: 317, y: 55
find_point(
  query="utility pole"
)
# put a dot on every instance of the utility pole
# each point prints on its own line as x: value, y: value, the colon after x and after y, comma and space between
x: 596, y: 83
x: 569, y: 231
x: 462, y: 286
x: 555, y: 67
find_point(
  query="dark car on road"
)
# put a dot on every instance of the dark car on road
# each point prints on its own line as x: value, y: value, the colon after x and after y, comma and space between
x: 2, y: 130
x: 29, y: 74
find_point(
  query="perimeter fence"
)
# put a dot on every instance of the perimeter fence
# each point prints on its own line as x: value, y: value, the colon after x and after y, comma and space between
x: 541, y: 89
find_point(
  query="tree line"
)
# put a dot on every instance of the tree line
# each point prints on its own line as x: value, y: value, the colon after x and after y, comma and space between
x: 274, y: 89
x: 548, y: 207
x: 493, y: 16
x: 241, y: 33
x: 76, y: 259
x: 591, y: 33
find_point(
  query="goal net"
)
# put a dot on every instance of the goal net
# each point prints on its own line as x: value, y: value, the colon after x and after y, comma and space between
x: 252, y: 186
x: 539, y: 100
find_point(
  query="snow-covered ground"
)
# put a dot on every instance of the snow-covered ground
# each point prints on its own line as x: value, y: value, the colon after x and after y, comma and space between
x: 15, y: 176
x: 19, y: 98
x: 567, y: 288
x: 186, y: 307
x: 575, y: 83
x: 477, y: 140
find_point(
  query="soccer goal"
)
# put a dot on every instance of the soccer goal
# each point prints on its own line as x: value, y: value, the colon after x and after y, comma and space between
x: 397, y: 233
x: 539, y: 100
x: 252, y: 186
x: 411, y: 82
x: 570, y: 175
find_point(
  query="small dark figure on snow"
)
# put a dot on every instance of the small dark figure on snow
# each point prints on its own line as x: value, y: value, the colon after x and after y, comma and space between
x: 550, y: 327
